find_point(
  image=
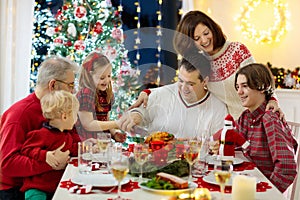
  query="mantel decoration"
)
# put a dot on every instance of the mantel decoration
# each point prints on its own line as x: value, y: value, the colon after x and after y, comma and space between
x: 286, y: 78
x: 276, y: 29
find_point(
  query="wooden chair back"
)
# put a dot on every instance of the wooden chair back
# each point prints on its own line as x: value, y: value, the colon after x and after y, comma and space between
x: 295, y: 192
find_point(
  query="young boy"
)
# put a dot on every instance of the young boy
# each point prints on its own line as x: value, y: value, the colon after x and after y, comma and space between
x: 60, y: 109
x: 272, y: 146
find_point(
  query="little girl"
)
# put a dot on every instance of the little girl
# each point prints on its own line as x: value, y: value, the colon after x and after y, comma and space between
x: 96, y: 98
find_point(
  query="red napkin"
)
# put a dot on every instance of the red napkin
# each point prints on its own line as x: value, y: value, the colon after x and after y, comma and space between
x: 95, y: 165
x: 74, y: 188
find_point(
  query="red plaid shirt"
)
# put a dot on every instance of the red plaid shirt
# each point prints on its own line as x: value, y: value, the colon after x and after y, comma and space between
x: 86, y: 98
x: 272, y: 146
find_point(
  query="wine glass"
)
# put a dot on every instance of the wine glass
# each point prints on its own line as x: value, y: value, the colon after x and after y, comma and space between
x: 103, y: 139
x: 222, y: 172
x: 119, y: 168
x: 141, y: 154
x: 191, y: 153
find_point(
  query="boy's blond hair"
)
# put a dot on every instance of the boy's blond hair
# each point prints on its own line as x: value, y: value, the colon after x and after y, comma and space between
x: 55, y: 103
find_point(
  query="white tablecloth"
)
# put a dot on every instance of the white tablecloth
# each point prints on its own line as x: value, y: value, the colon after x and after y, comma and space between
x: 139, y: 194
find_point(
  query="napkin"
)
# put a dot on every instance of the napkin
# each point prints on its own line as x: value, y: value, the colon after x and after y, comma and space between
x: 85, y: 189
x: 80, y: 190
x: 95, y: 165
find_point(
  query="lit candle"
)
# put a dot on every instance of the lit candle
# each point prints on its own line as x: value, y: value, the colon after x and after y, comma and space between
x: 243, y: 187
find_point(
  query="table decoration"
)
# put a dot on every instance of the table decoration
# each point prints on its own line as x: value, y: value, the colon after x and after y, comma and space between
x: 243, y: 187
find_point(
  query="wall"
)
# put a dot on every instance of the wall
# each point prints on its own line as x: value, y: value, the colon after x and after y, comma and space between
x: 283, y: 54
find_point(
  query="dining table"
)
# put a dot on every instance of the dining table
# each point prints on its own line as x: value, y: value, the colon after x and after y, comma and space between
x: 267, y: 192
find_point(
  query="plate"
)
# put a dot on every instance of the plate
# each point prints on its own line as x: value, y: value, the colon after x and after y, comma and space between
x: 191, y: 187
x: 98, y: 180
x: 211, y: 160
x: 99, y: 157
x: 210, y: 178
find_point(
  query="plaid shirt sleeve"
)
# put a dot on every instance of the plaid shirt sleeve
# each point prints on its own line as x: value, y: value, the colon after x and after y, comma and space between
x: 86, y: 98
x: 281, y: 144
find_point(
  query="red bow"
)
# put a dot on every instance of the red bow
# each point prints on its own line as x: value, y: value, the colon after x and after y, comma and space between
x: 89, y: 64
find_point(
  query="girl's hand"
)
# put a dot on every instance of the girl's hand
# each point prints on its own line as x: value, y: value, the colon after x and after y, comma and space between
x: 119, y: 137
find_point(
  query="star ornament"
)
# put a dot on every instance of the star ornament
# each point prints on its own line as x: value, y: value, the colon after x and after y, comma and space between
x: 137, y: 41
x: 120, y: 8
x: 159, y: 33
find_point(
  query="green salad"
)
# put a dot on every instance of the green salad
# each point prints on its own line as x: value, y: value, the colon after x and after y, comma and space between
x: 157, y: 183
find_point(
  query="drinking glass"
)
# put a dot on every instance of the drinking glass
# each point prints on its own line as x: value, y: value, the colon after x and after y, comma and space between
x: 119, y: 168
x: 103, y: 139
x: 222, y: 171
x: 191, y: 153
x: 200, y: 167
x: 85, y: 157
x: 141, y: 154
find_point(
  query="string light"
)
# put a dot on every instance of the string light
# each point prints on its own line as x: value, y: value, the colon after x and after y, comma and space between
x: 159, y: 35
x: 137, y: 33
x: 270, y: 35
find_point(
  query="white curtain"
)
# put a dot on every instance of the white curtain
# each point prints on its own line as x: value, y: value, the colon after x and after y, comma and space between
x: 16, y: 23
x: 187, y: 5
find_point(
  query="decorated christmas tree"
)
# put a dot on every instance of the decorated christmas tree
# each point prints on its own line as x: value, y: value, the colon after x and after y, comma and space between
x: 43, y: 19
x: 83, y: 26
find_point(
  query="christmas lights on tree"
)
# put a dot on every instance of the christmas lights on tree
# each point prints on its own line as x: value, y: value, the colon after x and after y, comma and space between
x: 43, y: 19
x: 83, y: 26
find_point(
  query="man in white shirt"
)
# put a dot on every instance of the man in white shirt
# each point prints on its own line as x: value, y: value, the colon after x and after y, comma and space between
x: 186, y: 108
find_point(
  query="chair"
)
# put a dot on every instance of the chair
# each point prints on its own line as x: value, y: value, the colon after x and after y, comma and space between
x: 295, y: 188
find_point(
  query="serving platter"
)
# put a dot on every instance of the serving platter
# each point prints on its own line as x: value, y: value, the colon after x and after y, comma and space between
x: 97, y: 180
x: 190, y: 188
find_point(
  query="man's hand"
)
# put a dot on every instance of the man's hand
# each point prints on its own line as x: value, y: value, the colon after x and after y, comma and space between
x: 58, y: 159
x: 142, y: 99
x: 128, y: 120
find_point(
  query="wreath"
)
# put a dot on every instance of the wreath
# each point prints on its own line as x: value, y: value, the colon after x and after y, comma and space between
x: 274, y: 32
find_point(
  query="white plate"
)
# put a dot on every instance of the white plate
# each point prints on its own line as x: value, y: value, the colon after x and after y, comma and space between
x: 98, y: 180
x: 98, y: 157
x: 211, y: 160
x: 210, y: 178
x: 192, y: 186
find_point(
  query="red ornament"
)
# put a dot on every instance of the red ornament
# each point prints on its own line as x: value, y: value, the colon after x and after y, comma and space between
x: 68, y: 44
x: 116, y: 34
x: 79, y: 45
x: 80, y: 12
x: 58, y: 41
x: 57, y: 29
x: 65, y: 7
x: 58, y: 15
x: 117, y: 13
x: 98, y: 27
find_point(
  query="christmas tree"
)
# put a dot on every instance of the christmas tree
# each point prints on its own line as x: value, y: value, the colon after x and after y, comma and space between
x: 43, y: 19
x: 83, y: 26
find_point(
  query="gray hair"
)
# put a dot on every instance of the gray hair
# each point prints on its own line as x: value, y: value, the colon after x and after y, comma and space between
x: 54, y: 68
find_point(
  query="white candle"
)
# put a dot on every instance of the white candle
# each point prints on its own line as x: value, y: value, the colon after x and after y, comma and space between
x: 243, y: 187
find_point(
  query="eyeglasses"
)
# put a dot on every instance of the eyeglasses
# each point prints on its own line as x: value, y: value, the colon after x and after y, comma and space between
x: 70, y: 85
